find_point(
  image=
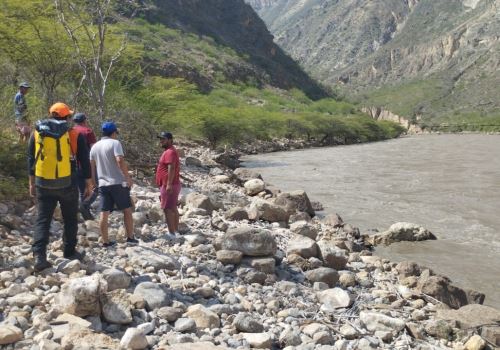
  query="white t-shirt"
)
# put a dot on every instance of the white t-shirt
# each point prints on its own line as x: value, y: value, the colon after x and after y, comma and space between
x: 104, y: 153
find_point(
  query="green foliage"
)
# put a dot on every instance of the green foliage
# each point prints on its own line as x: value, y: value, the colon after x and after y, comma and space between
x: 235, y: 114
x: 460, y: 122
x: 13, y: 174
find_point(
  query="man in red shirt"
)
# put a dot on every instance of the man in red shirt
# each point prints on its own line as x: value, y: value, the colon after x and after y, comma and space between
x: 81, y: 126
x: 168, y: 179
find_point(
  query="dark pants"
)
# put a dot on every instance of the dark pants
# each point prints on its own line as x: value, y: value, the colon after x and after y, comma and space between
x: 81, y: 188
x: 47, y: 200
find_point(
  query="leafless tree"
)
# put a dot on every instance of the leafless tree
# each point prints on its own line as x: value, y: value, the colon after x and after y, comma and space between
x: 87, y: 25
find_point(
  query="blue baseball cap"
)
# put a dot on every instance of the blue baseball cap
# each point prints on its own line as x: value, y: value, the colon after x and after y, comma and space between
x: 109, y: 127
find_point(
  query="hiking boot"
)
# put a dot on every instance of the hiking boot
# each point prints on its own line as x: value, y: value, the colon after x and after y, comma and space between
x: 132, y: 241
x: 85, y: 211
x: 76, y: 255
x: 109, y: 244
x: 41, y: 263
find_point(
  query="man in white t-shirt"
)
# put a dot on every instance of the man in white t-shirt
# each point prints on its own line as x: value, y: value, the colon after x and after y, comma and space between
x: 107, y: 157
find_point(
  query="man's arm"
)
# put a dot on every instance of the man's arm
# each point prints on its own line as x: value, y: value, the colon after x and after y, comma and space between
x: 122, y: 164
x: 171, y: 176
x: 93, y: 172
x: 31, y: 165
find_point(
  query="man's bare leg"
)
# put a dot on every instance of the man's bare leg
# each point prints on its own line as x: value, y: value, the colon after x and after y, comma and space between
x: 129, y: 222
x: 103, y: 225
x: 170, y: 216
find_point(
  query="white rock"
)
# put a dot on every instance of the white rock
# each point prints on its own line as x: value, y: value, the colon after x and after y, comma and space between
x: 254, y: 186
x: 258, y: 340
x: 10, y: 334
x: 134, y: 339
x: 334, y: 298
x: 373, y: 321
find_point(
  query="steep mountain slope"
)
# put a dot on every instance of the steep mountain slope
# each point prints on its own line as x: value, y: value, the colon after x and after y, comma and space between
x: 234, y: 24
x: 413, y: 56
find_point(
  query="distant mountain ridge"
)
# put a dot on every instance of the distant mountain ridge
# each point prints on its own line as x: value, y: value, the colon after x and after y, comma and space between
x: 377, y: 49
x: 234, y: 24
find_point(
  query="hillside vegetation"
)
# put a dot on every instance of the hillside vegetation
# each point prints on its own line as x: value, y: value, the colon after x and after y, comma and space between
x: 426, y: 60
x: 167, y: 70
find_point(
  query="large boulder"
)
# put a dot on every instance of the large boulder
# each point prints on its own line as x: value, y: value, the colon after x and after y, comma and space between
x: 323, y: 274
x: 374, y: 321
x: 439, y: 287
x: 249, y: 240
x: 243, y: 175
x: 334, y: 298
x: 81, y: 296
x: 471, y: 316
x: 155, y: 295
x: 332, y: 255
x: 254, y: 186
x: 196, y: 200
x: 246, y: 323
x: 10, y: 334
x: 145, y: 257
x: 79, y: 337
x: 304, y: 228
x: 295, y: 201
x: 261, y: 209
x: 116, y: 307
x: 236, y: 214
x: 134, y: 339
x: 303, y: 246
x: 116, y: 279
x: 203, y: 317
x: 402, y: 231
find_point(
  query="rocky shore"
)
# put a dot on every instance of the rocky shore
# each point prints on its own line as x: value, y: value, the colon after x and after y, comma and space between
x: 252, y: 268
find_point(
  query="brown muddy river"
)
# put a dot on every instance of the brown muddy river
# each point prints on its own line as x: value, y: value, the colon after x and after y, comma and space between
x: 449, y: 184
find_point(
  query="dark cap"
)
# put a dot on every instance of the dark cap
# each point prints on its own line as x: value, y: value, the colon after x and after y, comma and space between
x: 109, y: 128
x: 165, y: 135
x: 79, y: 117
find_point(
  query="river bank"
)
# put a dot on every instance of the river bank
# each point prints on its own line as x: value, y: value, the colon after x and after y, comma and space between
x: 252, y: 268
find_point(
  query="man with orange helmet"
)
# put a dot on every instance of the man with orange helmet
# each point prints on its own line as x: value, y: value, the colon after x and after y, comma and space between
x: 53, y: 152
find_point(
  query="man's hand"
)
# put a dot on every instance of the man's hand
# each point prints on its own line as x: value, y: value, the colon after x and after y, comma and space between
x: 32, y: 190
x: 130, y: 183
x: 89, y: 188
x: 169, y: 188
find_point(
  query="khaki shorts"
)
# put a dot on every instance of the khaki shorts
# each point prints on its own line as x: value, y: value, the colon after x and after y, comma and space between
x: 23, y: 127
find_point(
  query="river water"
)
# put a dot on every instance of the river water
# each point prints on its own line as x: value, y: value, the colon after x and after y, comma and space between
x: 450, y: 184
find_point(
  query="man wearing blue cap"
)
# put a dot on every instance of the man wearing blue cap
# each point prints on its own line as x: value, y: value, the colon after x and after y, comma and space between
x: 107, y: 157
x: 21, y: 112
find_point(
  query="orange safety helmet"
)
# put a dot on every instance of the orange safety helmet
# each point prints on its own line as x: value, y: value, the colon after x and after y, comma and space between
x: 61, y: 109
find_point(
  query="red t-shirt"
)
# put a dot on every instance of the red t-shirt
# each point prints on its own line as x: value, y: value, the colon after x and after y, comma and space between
x: 87, y: 133
x: 169, y: 156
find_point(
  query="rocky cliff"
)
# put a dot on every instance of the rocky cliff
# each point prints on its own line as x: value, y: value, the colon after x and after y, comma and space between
x: 234, y: 24
x: 449, y: 48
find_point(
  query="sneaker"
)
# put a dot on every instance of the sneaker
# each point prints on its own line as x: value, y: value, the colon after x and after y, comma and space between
x: 109, y: 244
x: 132, y: 241
x: 76, y: 255
x: 85, y: 211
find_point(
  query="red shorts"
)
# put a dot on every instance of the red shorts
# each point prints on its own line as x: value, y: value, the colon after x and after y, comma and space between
x: 169, y: 200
